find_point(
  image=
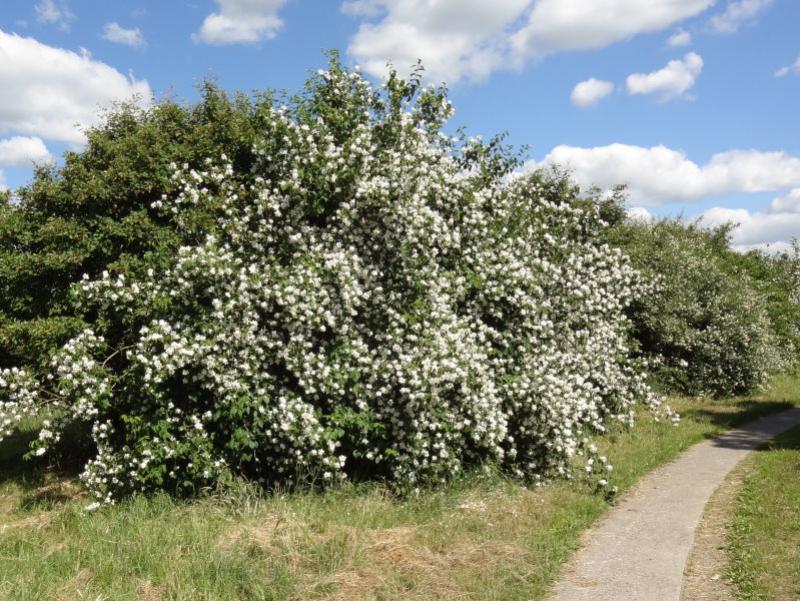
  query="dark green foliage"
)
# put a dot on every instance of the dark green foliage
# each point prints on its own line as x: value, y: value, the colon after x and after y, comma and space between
x: 719, y: 322
x: 93, y: 214
x: 777, y: 278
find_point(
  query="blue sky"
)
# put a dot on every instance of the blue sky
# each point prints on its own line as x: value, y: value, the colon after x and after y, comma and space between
x: 691, y: 102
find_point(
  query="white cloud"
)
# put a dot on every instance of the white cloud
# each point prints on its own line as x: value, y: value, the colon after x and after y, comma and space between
x: 793, y: 68
x: 114, y: 32
x: 53, y: 13
x: 588, y: 92
x: 774, y: 227
x: 787, y: 204
x: 47, y: 11
x: 21, y: 151
x: 639, y: 214
x: 671, y: 81
x: 769, y: 247
x: 736, y: 14
x: 367, y: 8
x: 469, y: 39
x: 46, y: 91
x: 661, y: 175
x: 681, y: 37
x: 454, y: 38
x: 241, y: 22
x: 559, y: 25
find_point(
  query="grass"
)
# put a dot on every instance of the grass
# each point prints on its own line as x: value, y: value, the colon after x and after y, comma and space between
x: 765, y: 531
x: 481, y: 537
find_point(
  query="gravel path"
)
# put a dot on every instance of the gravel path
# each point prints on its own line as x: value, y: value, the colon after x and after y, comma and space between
x: 638, y: 551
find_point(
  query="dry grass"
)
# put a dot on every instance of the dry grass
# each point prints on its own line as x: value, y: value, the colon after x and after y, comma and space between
x: 75, y: 588
x: 147, y: 591
x: 360, y: 563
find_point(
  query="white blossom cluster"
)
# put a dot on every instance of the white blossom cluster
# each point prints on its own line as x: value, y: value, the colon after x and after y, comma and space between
x: 19, y: 399
x: 371, y: 303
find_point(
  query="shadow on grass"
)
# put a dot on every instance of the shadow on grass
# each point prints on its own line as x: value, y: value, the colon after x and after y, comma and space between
x: 14, y: 468
x: 734, y: 414
x: 786, y: 441
x: 40, y: 481
x: 757, y: 434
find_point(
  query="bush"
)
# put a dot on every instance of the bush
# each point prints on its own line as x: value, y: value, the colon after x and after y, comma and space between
x: 94, y: 213
x: 706, y: 326
x: 374, y: 299
x: 777, y: 278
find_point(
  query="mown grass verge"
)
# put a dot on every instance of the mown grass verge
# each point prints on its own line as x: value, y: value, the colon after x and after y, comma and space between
x: 481, y: 537
x: 764, y: 538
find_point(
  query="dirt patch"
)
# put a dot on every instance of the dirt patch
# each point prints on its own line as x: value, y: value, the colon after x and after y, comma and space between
x: 147, y: 591
x: 704, y: 576
x: 262, y: 534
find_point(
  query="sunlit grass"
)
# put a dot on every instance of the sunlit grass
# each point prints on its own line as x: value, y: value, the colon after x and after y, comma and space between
x: 765, y: 530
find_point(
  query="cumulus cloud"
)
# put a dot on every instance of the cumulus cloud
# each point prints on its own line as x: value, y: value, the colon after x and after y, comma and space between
x: 736, y: 14
x: 114, y: 32
x: 661, y: 175
x: 367, y: 8
x: 241, y: 22
x: 639, y: 214
x: 787, y: 204
x: 469, y: 39
x: 591, y: 91
x: 454, y: 38
x: 53, y: 13
x: 793, y: 68
x: 560, y: 25
x: 670, y: 82
x: 46, y: 91
x: 22, y: 151
x: 773, y: 228
x: 680, y: 38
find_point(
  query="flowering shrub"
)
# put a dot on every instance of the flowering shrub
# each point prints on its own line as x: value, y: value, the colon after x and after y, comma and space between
x: 707, y: 325
x: 776, y: 278
x: 377, y: 299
